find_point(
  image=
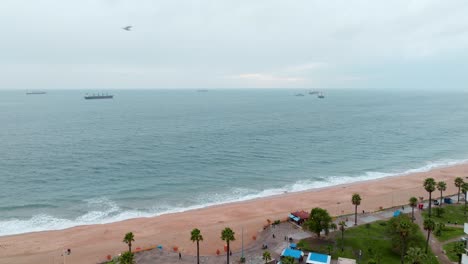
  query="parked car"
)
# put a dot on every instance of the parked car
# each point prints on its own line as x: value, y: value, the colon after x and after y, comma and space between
x: 435, y: 202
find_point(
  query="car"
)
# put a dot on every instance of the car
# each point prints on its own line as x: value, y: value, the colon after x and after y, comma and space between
x: 435, y: 202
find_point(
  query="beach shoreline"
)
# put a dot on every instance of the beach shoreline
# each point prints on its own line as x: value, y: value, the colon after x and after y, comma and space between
x: 92, y: 243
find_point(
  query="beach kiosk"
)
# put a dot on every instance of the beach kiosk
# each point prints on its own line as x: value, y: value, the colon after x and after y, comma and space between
x: 316, y: 258
x: 299, y: 217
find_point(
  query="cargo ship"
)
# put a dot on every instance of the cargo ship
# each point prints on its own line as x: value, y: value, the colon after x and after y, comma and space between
x: 98, y: 96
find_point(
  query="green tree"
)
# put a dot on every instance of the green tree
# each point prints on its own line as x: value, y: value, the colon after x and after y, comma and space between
x: 356, y: 200
x: 287, y: 260
x: 319, y: 220
x: 126, y: 258
x: 429, y: 186
x: 128, y: 239
x: 459, y: 250
x: 413, y: 202
x: 266, y: 256
x: 465, y: 190
x: 333, y: 226
x: 441, y: 186
x: 439, y: 228
x: 439, y: 211
x: 429, y: 226
x: 402, y: 231
x: 372, y: 261
x: 458, y: 183
x: 415, y: 256
x: 227, y: 235
x: 342, y: 225
x: 196, y: 236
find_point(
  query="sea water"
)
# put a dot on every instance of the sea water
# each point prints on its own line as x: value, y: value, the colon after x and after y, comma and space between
x: 66, y: 161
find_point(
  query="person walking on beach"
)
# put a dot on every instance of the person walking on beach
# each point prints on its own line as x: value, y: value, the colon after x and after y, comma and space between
x: 180, y: 255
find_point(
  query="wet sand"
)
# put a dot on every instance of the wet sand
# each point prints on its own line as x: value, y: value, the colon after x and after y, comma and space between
x: 91, y: 244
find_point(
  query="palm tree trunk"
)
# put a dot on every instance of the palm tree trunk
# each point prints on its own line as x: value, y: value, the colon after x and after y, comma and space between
x: 465, y: 204
x: 355, y: 215
x: 228, y: 251
x: 458, y: 195
x: 198, y: 252
x: 402, y: 253
x: 130, y: 246
x: 430, y: 204
x: 412, y: 214
x: 440, y: 199
x: 459, y: 258
x: 342, y: 240
x: 427, y: 241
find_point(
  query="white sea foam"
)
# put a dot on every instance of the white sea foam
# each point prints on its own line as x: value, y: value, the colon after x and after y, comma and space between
x: 102, y: 210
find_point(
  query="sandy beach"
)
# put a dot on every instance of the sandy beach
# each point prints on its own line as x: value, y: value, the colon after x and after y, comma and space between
x: 91, y: 244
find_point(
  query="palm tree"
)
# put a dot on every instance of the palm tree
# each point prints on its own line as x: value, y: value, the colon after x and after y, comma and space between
x: 459, y: 250
x: 266, y: 256
x: 227, y: 235
x: 429, y: 225
x: 404, y: 229
x: 458, y: 183
x: 441, y: 186
x: 465, y: 190
x: 333, y: 226
x: 413, y: 202
x: 429, y: 186
x: 356, y: 200
x: 415, y: 256
x: 128, y: 239
x: 195, y: 235
x: 342, y: 225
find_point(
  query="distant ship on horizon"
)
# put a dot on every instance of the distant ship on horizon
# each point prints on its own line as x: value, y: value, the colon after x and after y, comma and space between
x: 98, y: 96
x: 36, y: 92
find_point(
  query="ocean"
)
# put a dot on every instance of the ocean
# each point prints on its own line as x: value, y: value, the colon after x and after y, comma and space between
x: 66, y: 161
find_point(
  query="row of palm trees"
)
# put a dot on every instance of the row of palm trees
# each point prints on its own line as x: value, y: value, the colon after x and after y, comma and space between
x: 227, y: 235
x: 430, y: 186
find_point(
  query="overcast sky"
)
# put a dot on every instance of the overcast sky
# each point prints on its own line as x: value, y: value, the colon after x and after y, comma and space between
x: 80, y: 44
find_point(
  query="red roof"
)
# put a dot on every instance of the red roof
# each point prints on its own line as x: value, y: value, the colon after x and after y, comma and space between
x: 301, y: 214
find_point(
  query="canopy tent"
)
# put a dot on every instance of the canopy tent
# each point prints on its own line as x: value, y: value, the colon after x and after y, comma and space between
x: 396, y: 213
x: 292, y: 246
x: 316, y: 258
x: 287, y: 252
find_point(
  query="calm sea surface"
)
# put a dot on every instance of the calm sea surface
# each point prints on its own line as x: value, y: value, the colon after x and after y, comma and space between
x: 66, y: 161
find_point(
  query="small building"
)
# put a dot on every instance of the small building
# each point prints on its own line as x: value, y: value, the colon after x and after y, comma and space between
x: 316, y: 258
x: 346, y: 261
x: 299, y: 216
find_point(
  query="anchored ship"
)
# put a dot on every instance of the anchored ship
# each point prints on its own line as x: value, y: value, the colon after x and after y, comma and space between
x: 98, y: 96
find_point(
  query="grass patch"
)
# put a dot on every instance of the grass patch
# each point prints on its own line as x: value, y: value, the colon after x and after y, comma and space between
x: 450, y: 232
x: 453, y: 213
x: 372, y: 240
x: 449, y: 251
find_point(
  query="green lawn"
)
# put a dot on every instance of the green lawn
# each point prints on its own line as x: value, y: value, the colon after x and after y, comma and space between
x: 450, y: 232
x: 371, y: 239
x: 453, y: 213
x: 448, y: 249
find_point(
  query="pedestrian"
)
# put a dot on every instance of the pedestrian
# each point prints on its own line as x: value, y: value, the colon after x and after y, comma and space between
x: 273, y: 235
x: 402, y: 207
x: 285, y: 238
x: 363, y: 212
x: 180, y: 255
x: 230, y: 253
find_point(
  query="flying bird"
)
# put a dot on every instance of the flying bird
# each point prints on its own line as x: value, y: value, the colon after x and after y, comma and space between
x: 128, y: 28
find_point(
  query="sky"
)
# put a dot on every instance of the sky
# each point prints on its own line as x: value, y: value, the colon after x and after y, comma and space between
x: 80, y: 44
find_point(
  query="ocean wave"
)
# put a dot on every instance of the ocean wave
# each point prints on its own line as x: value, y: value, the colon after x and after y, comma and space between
x: 102, y: 210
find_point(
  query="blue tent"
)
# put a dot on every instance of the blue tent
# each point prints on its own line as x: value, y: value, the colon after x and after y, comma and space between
x: 396, y: 213
x: 292, y: 246
x: 287, y: 252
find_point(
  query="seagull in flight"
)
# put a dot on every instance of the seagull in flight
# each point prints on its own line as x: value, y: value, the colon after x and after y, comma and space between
x: 127, y: 28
